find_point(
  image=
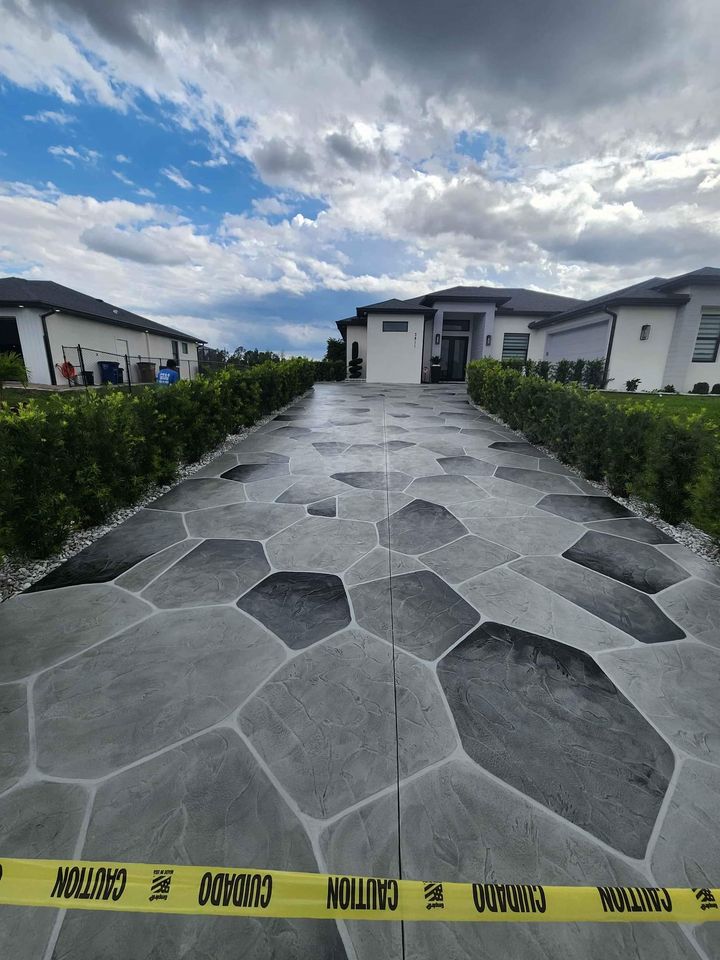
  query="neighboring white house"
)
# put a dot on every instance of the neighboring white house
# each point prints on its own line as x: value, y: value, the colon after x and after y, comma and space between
x: 46, y: 323
x: 662, y: 331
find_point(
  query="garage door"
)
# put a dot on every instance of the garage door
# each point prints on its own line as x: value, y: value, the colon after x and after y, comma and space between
x: 586, y: 343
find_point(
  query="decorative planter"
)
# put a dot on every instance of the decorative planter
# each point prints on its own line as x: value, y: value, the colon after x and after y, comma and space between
x: 435, y: 369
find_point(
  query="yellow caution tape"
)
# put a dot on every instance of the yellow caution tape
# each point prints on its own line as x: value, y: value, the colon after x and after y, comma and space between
x: 250, y: 892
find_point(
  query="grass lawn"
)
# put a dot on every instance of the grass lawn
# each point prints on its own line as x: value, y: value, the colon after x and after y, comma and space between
x: 680, y: 405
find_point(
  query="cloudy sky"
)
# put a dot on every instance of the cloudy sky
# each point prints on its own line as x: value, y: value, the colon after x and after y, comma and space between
x: 252, y: 170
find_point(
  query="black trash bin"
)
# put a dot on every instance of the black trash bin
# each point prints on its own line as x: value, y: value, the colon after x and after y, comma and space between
x: 88, y: 378
x: 108, y: 371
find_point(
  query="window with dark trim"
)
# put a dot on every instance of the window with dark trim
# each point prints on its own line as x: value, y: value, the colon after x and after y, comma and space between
x: 456, y: 325
x: 708, y: 339
x: 515, y: 346
x: 184, y: 347
x: 645, y: 331
x: 395, y: 326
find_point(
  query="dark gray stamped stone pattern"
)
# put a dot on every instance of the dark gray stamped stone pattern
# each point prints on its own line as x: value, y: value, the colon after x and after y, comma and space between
x: 230, y: 696
x: 515, y: 696
x: 639, y: 565
x: 418, y: 527
x: 143, y: 534
x: 300, y: 608
x: 622, y: 606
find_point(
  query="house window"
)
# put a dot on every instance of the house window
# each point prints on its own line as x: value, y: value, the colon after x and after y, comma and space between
x: 708, y: 339
x: 175, y: 350
x: 456, y: 325
x: 184, y: 347
x: 645, y: 331
x: 395, y: 326
x: 515, y: 346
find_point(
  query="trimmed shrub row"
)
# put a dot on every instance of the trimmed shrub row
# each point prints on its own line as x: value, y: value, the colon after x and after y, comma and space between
x: 329, y: 370
x: 71, y: 462
x: 671, y: 462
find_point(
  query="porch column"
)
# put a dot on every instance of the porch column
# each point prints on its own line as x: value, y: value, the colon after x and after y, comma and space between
x: 437, y: 329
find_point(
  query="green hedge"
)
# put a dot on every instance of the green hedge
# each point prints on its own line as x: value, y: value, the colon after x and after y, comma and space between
x: 329, y: 370
x: 671, y: 462
x: 70, y: 462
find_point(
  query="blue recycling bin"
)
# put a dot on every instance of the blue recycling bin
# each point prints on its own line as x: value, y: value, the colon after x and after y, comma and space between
x: 109, y: 371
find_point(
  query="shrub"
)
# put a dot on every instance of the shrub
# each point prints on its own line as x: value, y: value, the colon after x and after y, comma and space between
x: 632, y: 385
x: 636, y: 448
x: 577, y: 371
x: 563, y: 371
x: 355, y: 368
x: 668, y: 388
x: 595, y: 374
x: 12, y: 367
x: 715, y: 388
x: 329, y: 369
x: 72, y: 461
x: 701, y: 387
x: 542, y: 369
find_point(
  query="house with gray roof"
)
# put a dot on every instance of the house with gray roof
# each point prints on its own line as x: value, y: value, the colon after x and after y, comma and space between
x: 46, y: 323
x: 663, y: 330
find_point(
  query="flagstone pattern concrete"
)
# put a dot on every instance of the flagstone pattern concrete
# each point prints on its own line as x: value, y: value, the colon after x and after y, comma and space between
x: 215, y: 682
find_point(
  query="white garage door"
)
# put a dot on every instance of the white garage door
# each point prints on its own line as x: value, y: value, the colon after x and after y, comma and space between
x: 582, y: 343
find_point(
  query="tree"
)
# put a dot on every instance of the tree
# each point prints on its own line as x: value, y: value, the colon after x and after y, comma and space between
x: 335, y: 349
x: 244, y: 359
x: 12, y: 367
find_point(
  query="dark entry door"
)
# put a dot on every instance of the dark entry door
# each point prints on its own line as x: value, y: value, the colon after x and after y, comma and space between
x: 453, y: 357
x: 9, y: 336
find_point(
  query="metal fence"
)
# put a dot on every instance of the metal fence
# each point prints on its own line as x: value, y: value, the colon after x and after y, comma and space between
x: 87, y: 367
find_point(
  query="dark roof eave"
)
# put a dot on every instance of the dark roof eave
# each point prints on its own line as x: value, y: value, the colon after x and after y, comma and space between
x: 430, y: 299
x: 689, y: 280
x: 669, y: 301
x: 117, y: 322
x: 425, y: 311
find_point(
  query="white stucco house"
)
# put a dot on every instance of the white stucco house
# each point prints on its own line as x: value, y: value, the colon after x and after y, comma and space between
x: 664, y: 330
x: 46, y: 322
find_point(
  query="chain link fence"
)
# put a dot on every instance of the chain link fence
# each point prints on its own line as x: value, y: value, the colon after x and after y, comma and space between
x: 85, y: 366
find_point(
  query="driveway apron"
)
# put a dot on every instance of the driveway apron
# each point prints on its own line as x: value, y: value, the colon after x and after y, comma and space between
x: 380, y: 636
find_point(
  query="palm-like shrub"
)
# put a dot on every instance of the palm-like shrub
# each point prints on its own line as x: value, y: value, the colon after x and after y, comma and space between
x: 12, y: 367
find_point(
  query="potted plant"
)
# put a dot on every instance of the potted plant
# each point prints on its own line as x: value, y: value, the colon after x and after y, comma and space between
x: 435, y: 369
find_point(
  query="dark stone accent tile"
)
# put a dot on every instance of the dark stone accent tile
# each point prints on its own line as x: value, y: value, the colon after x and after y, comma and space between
x: 633, y: 528
x: 418, y: 527
x: 348, y: 423
x: 546, y: 719
x: 614, y: 602
x: 216, y: 571
x: 158, y: 682
x: 639, y: 565
x: 397, y: 444
x: 517, y: 446
x: 138, y: 538
x: 249, y: 472
x: 193, y: 494
x: 39, y: 820
x: 374, y: 479
x: 446, y: 448
x: 323, y: 508
x: 428, y: 615
x: 400, y: 416
x: 294, y: 722
x: 300, y: 608
x: 362, y: 447
x: 206, y: 801
x: 329, y: 448
x: 466, y: 466
x: 466, y: 558
x: 14, y: 736
x: 545, y: 482
x: 583, y: 508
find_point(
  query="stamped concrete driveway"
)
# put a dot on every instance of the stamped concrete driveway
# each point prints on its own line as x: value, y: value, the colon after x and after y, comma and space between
x: 212, y: 683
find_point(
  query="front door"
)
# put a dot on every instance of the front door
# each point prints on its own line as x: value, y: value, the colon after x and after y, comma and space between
x: 453, y: 357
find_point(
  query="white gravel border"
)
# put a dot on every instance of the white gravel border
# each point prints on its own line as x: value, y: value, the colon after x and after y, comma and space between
x: 18, y: 575
x: 685, y: 533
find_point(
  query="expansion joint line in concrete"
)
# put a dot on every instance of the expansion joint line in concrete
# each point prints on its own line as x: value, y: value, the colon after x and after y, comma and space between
x: 394, y: 670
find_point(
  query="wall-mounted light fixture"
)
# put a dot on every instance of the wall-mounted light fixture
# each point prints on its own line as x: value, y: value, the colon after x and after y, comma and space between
x: 645, y: 331
x: 488, y: 340
x: 437, y: 339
